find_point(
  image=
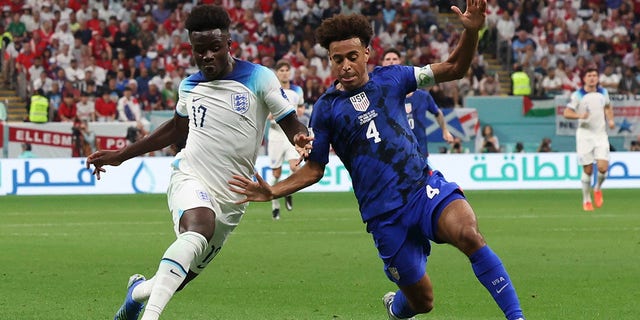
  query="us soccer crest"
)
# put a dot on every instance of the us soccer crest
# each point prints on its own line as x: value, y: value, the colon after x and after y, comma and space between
x: 360, y: 101
x: 240, y: 102
x: 394, y: 273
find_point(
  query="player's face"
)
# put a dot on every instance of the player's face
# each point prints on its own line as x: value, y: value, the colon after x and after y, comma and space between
x: 211, y: 52
x: 591, y: 79
x: 349, y: 63
x: 283, y: 74
x: 390, y: 59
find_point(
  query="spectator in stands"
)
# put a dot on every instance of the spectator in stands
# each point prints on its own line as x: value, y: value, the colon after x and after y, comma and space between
x: 105, y: 107
x: 74, y: 73
x: 628, y: 83
x: 69, y: 90
x: 635, y: 145
x: 42, y: 82
x: 519, y: 147
x: 486, y: 141
x: 129, y: 108
x: 609, y: 79
x: 468, y: 86
x: 152, y: 99
x: 67, y: 110
x: 27, y: 152
x: 551, y: 84
x: 169, y: 94
x: 86, y: 108
x: 457, y: 146
x: 545, y: 145
x: 55, y: 99
x: 489, y: 85
x: 519, y: 44
x: 17, y: 28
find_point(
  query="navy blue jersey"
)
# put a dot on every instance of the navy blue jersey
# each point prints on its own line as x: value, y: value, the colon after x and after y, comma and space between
x: 369, y: 132
x: 417, y: 105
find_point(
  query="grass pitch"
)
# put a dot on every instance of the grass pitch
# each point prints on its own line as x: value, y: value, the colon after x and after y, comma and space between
x: 69, y: 257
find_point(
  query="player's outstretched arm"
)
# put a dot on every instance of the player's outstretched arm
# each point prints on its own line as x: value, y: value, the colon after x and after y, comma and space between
x: 261, y: 191
x: 167, y: 133
x: 459, y: 60
x: 446, y: 135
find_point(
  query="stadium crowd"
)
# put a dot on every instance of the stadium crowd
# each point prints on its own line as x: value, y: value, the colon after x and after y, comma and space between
x: 116, y: 60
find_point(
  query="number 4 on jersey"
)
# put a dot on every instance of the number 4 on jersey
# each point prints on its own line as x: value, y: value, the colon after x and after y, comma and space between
x: 372, y: 132
x: 432, y: 192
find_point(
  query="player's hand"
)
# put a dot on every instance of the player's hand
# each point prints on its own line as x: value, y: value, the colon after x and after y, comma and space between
x: 101, y: 158
x: 473, y: 18
x: 584, y: 115
x: 258, y: 190
x: 303, y: 145
x: 447, y: 137
x: 612, y: 124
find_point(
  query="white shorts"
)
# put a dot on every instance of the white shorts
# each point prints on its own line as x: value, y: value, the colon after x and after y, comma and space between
x: 279, y: 152
x: 185, y: 192
x: 592, y: 148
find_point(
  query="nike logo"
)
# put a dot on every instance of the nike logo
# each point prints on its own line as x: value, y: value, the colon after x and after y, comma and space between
x: 196, y: 99
x: 497, y: 291
x: 174, y: 272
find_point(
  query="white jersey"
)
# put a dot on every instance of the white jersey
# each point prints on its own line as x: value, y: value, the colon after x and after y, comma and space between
x: 276, y: 134
x: 226, y: 123
x: 594, y: 103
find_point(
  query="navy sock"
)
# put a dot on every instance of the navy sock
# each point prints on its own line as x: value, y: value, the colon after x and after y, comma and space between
x: 400, y: 306
x: 491, y: 273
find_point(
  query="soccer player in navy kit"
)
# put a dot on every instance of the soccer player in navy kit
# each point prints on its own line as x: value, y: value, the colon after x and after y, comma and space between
x: 417, y: 104
x: 404, y: 204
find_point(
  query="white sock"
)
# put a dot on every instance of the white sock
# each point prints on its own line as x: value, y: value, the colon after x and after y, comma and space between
x: 586, y: 187
x: 142, y: 291
x: 600, y: 179
x: 172, y: 271
x: 275, y: 203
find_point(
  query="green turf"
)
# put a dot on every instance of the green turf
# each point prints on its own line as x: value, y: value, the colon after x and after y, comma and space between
x: 69, y: 257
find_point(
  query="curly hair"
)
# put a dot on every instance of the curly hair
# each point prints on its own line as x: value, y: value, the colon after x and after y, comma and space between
x: 208, y: 17
x: 343, y: 27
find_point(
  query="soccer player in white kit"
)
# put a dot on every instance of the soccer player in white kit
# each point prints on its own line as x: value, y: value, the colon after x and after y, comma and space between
x: 279, y: 148
x: 221, y: 112
x: 592, y: 107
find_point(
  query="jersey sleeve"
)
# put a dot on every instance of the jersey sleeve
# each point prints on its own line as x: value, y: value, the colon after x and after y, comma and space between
x: 273, y: 94
x: 320, y: 128
x: 298, y: 90
x: 432, y: 107
x: 574, y: 100
x: 607, y: 100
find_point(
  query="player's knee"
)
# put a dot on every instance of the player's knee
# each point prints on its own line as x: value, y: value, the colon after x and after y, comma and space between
x: 467, y: 239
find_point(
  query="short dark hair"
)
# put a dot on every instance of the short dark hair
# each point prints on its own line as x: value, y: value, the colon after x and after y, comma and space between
x: 343, y: 27
x: 283, y: 62
x: 208, y: 17
x: 391, y: 50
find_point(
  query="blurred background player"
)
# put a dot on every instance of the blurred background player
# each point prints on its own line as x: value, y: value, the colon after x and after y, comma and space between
x: 592, y: 107
x: 222, y: 137
x: 279, y: 148
x: 417, y: 104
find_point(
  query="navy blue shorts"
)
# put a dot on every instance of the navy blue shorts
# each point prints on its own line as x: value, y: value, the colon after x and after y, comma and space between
x: 403, y: 236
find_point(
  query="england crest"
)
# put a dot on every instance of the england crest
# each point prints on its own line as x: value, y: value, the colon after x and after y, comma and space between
x: 240, y: 102
x: 360, y: 101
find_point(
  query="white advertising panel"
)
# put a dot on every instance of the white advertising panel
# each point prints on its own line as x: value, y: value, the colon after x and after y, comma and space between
x: 470, y: 171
